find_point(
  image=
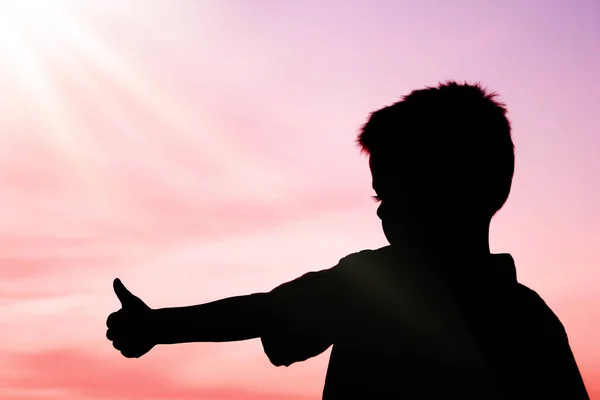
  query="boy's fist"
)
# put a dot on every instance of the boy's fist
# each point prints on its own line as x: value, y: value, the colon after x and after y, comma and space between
x: 131, y: 328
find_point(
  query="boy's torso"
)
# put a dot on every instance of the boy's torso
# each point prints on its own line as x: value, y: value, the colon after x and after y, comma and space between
x: 418, y: 335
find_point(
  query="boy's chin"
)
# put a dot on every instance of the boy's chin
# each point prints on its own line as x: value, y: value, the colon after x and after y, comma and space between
x: 405, y: 236
x: 394, y: 236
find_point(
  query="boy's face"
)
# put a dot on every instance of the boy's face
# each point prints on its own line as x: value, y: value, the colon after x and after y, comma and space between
x: 406, y: 208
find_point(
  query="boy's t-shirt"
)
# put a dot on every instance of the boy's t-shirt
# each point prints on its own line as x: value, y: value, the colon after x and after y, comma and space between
x: 399, y: 328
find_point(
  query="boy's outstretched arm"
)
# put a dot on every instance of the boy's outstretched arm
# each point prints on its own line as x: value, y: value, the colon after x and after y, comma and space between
x: 295, y: 321
x: 136, y: 328
x: 227, y: 320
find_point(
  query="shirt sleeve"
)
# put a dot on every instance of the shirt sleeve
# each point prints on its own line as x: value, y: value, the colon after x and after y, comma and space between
x: 306, y: 315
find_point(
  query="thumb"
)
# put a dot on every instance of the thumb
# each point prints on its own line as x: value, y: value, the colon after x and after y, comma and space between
x: 123, y: 294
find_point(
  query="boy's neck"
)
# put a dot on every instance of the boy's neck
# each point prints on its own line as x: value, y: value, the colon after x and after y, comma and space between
x: 457, y: 244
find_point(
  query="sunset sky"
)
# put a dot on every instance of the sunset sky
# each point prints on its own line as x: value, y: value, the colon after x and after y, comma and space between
x: 201, y: 149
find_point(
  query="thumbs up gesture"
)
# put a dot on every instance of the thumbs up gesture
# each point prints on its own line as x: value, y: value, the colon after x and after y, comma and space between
x: 131, y: 329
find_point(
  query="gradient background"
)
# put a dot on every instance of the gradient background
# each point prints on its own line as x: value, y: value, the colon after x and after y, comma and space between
x: 202, y: 149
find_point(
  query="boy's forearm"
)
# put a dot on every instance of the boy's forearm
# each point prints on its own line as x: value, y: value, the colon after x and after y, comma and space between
x: 227, y: 320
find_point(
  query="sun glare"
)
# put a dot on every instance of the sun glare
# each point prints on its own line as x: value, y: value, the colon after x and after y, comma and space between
x: 27, y: 25
x: 29, y: 14
x: 23, y: 22
x: 34, y: 34
x: 42, y: 46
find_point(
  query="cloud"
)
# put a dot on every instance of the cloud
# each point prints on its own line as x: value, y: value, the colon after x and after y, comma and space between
x: 76, y: 374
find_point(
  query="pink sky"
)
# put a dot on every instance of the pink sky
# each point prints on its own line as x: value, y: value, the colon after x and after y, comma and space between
x: 175, y: 144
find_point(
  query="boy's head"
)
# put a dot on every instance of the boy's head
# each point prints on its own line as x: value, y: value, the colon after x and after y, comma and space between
x: 442, y: 155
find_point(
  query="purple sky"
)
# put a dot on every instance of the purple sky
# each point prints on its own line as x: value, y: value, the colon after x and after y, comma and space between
x: 189, y: 138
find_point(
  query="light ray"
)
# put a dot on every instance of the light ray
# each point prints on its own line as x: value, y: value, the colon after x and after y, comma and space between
x: 190, y: 123
x: 52, y: 27
x: 26, y: 25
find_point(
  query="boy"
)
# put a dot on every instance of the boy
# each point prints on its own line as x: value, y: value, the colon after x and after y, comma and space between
x: 434, y: 313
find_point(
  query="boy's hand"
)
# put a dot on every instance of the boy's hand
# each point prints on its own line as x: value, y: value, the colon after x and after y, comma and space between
x: 131, y: 328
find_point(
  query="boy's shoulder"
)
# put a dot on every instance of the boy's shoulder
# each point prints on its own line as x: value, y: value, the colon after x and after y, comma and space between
x: 539, y: 311
x: 366, y: 255
x: 367, y: 261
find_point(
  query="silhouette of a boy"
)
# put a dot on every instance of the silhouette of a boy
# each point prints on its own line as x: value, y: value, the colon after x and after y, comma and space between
x: 435, y: 313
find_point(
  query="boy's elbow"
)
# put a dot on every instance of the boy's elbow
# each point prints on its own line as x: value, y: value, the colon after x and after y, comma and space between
x: 275, y: 353
x: 282, y: 363
x: 279, y: 361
